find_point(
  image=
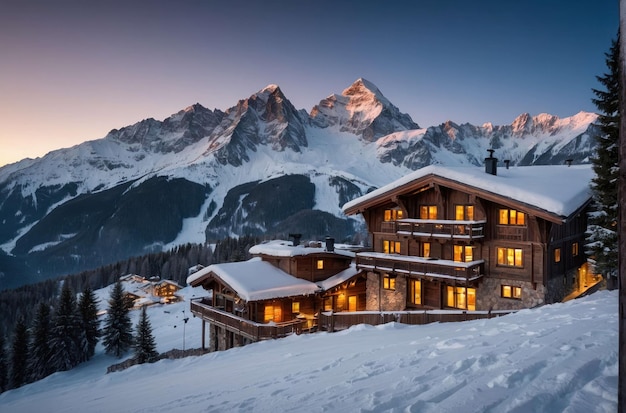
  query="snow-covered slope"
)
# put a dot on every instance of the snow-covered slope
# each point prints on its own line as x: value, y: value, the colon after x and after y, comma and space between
x: 204, y: 174
x: 556, y: 358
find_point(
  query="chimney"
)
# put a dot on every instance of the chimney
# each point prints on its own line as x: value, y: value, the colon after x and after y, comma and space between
x: 506, y: 163
x: 296, y: 239
x: 491, y: 163
x: 330, y: 244
x: 569, y: 162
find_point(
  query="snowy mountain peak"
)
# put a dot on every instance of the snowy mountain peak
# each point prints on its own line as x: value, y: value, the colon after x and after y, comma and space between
x: 361, y: 109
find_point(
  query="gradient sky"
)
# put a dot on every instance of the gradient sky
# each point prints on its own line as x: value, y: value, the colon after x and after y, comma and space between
x: 70, y: 71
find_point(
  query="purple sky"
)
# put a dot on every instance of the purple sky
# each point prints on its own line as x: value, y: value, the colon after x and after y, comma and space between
x: 70, y: 71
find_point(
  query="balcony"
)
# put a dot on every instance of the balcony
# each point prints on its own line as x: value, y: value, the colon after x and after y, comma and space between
x: 420, y: 266
x: 442, y: 228
x: 246, y: 328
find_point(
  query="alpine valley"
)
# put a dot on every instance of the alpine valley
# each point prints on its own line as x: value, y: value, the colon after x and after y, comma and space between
x: 261, y: 167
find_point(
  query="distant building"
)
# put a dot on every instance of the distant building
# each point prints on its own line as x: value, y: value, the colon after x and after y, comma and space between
x: 140, y: 291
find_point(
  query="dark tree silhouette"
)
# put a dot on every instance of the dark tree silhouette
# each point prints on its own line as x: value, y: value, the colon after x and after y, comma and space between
x: 117, y: 333
x: 19, y: 355
x: 40, y: 352
x: 145, y: 346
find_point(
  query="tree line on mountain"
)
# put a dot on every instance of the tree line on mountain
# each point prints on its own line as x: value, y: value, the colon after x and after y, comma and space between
x: 63, y: 331
x: 62, y: 337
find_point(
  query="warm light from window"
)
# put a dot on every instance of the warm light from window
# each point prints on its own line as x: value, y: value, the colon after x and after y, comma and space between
x: 428, y: 212
x: 415, y: 291
x: 391, y: 247
x: 512, y: 257
x: 426, y: 249
x: 389, y: 283
x: 557, y: 255
x: 461, y: 297
x: 393, y: 214
x: 509, y: 291
x: 511, y: 217
x: 464, y: 212
x: 272, y: 313
x: 575, y: 249
x: 320, y: 264
x: 295, y: 307
x: 463, y: 253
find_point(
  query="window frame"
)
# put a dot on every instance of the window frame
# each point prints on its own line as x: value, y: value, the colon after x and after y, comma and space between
x: 463, y: 255
x: 513, y: 217
x: 389, y: 282
x: 392, y: 214
x: 453, y: 293
x: 514, y: 292
x: 392, y: 247
x: 427, y: 211
x: 467, y: 211
x: 412, y: 293
x: 504, y: 262
x: 557, y: 255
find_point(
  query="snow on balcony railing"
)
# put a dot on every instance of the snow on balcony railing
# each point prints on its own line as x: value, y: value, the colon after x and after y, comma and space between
x: 436, y: 228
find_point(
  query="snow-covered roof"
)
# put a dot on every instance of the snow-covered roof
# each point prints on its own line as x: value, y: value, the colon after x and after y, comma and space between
x: 339, y: 278
x: 256, y: 280
x: 282, y: 248
x: 557, y: 189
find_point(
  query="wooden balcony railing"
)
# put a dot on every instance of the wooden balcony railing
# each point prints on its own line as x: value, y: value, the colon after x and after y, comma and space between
x: 330, y: 321
x: 246, y: 328
x: 434, y: 268
x: 467, y: 230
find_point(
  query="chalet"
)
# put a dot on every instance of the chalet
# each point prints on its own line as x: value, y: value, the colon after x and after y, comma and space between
x: 278, y: 292
x: 473, y: 239
x: 142, y: 292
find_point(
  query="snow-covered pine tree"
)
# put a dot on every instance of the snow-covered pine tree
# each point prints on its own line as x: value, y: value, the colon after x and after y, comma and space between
x: 66, y: 332
x: 88, y: 310
x: 145, y: 346
x: 40, y: 352
x: 4, y: 378
x: 602, y: 232
x: 117, y: 333
x: 19, y: 355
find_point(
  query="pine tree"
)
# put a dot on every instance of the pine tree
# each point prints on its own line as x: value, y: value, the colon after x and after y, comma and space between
x: 19, y: 355
x: 117, y: 334
x: 4, y: 378
x: 602, y: 233
x: 40, y: 351
x: 145, y: 347
x: 66, y: 332
x: 88, y: 310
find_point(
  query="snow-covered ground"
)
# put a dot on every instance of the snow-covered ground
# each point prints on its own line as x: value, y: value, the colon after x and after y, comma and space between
x: 557, y: 358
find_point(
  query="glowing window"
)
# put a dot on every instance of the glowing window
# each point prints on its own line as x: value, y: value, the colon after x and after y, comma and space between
x: 574, y: 249
x: 463, y: 253
x: 272, y: 313
x: 426, y: 249
x: 428, y: 212
x: 510, y: 257
x: 511, y: 217
x: 464, y: 212
x: 352, y: 303
x: 320, y: 264
x: 389, y: 283
x: 415, y: 292
x: 509, y: 291
x: 391, y: 247
x: 557, y: 255
x: 393, y: 214
x: 295, y: 307
x: 461, y: 297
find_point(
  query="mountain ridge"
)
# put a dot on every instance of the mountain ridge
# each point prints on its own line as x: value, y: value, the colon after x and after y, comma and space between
x: 345, y: 146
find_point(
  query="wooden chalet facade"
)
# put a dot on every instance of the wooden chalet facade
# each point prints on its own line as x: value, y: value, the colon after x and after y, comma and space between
x: 280, y: 291
x: 464, y: 238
